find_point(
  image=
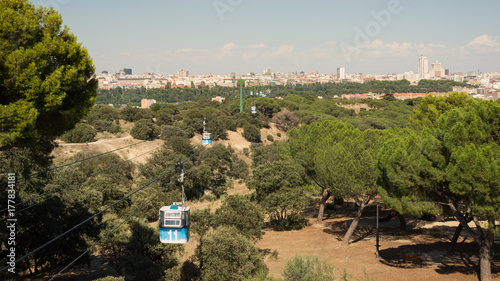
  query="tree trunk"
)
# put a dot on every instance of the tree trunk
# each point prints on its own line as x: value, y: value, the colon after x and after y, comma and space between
x: 402, y: 222
x: 484, y: 260
x: 454, y: 240
x: 353, y: 225
x: 322, y: 204
x: 459, y: 229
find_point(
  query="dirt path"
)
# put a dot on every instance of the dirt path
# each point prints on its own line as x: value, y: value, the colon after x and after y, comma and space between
x: 66, y: 150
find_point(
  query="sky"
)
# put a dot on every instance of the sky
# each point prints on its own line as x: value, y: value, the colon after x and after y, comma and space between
x: 241, y: 36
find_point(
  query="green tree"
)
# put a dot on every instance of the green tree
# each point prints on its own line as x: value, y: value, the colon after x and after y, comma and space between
x: 349, y: 167
x: 145, y: 256
x: 227, y: 255
x: 45, y: 75
x: 244, y: 215
x: 303, y: 146
x: 286, y: 120
x: 81, y: 133
x: 144, y: 129
x: 432, y: 107
x: 278, y: 187
x: 455, y: 165
x: 251, y: 133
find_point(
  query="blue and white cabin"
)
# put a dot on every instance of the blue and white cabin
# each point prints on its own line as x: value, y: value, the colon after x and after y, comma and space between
x: 206, y: 138
x: 254, y: 109
x: 174, y: 224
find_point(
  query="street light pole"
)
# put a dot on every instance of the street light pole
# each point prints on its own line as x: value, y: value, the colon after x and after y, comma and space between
x: 377, y: 200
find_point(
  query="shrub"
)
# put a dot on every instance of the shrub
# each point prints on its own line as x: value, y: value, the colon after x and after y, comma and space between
x: 238, y: 211
x: 144, y: 129
x: 227, y: 255
x: 208, y: 197
x: 279, y: 135
x: 251, y: 133
x: 111, y: 278
x: 270, y: 138
x: 168, y: 131
x: 81, y: 133
x: 307, y: 269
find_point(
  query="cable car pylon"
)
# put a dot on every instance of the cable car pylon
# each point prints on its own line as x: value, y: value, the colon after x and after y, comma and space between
x: 240, y: 81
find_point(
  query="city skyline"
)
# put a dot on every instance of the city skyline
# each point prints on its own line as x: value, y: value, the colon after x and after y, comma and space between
x: 225, y: 36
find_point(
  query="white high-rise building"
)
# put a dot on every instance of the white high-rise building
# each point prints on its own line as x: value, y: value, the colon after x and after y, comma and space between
x: 423, y: 67
x: 341, y: 73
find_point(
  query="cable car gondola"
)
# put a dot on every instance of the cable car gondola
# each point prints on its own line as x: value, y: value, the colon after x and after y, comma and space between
x: 175, y: 221
x: 254, y: 109
x: 174, y: 224
x: 206, y: 137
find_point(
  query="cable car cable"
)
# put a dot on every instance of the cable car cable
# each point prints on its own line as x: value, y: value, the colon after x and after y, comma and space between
x: 95, y: 173
x: 76, y: 182
x: 93, y: 216
x: 111, y: 231
x: 107, y: 208
x: 81, y: 160
x: 136, y: 211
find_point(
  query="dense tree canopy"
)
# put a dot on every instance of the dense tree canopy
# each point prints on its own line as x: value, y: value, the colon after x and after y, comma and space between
x: 454, y: 165
x: 45, y: 75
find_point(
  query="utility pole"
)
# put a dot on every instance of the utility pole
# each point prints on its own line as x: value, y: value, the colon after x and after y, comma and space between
x: 240, y: 81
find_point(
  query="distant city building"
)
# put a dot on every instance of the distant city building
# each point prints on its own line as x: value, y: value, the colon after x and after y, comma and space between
x: 126, y: 71
x: 104, y: 72
x: 145, y: 103
x: 266, y: 71
x: 446, y: 71
x: 423, y: 67
x: 183, y: 73
x: 219, y: 99
x: 436, y: 70
x: 341, y: 73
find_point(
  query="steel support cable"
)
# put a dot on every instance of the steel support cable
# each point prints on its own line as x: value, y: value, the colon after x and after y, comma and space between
x: 93, y: 216
x: 76, y: 182
x: 140, y: 208
x: 81, y: 160
x: 105, y: 209
x: 111, y: 231
x: 95, y: 173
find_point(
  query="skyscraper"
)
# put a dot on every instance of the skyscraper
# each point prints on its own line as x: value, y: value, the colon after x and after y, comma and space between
x: 423, y: 67
x: 341, y: 73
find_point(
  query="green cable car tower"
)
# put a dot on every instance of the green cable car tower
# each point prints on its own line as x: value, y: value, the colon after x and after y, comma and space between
x: 240, y: 81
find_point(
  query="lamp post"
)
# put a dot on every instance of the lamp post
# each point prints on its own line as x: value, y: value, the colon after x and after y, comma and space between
x: 377, y: 200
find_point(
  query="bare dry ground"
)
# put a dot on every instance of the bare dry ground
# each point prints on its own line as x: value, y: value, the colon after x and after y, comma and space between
x: 424, y: 239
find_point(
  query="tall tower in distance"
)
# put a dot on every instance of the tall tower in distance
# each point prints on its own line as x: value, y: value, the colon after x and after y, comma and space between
x: 423, y: 67
x: 341, y: 73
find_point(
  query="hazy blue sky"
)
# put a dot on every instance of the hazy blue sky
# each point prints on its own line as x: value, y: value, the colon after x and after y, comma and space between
x: 224, y: 36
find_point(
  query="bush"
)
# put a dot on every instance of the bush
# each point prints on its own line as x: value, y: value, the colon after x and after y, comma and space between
x: 307, y: 269
x: 168, y: 131
x: 144, y: 129
x: 81, y: 133
x: 251, y: 133
x: 208, y: 197
x: 181, y: 145
x: 270, y: 138
x: 111, y: 278
x: 279, y: 135
x: 239, y: 212
x: 227, y: 255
